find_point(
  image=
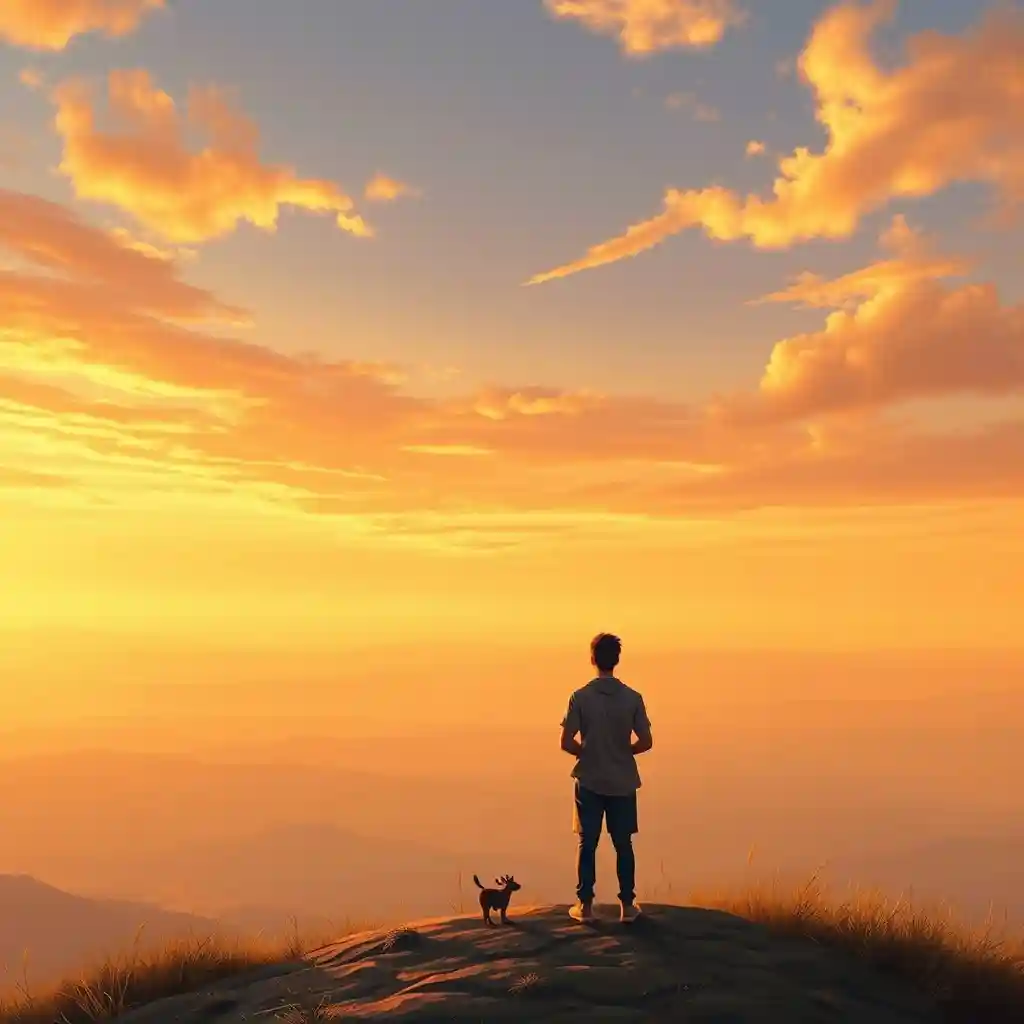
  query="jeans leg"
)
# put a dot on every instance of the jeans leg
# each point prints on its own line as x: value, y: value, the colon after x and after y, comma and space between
x: 625, y: 865
x: 589, y: 815
x: 621, y: 813
x: 586, y: 867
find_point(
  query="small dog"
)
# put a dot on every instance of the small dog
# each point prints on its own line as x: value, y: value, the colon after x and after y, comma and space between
x: 497, y: 899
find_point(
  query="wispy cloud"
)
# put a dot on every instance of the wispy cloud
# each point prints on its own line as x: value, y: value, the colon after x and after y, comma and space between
x: 643, y: 27
x: 31, y: 78
x: 52, y: 24
x: 143, y: 165
x: 456, y: 450
x: 382, y: 188
x: 891, y: 134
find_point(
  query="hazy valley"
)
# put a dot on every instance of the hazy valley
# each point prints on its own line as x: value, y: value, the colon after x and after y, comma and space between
x: 913, y: 791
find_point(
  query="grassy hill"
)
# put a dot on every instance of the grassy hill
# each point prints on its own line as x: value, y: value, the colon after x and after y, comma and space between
x: 46, y: 933
x: 799, y: 953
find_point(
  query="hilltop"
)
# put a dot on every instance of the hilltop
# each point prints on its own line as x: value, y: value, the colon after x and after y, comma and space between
x: 762, y: 955
x: 708, y: 964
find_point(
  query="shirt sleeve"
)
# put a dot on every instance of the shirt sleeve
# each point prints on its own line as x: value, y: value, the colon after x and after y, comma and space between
x: 571, y: 721
x: 641, y: 723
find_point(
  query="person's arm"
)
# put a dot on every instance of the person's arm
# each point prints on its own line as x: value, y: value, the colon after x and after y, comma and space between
x: 643, y: 743
x: 642, y: 728
x: 570, y: 744
x: 570, y: 727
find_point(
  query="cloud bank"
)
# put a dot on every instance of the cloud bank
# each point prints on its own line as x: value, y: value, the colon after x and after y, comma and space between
x: 950, y: 113
x: 121, y: 386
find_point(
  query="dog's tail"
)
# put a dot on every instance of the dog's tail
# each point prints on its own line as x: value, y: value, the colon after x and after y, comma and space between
x: 477, y: 880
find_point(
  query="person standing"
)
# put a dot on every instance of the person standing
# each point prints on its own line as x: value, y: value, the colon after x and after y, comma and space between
x: 605, y: 714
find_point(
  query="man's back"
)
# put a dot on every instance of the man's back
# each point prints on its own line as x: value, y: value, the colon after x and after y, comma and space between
x: 606, y: 713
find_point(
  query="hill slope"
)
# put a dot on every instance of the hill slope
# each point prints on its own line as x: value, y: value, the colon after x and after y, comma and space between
x: 677, y: 963
x: 46, y: 933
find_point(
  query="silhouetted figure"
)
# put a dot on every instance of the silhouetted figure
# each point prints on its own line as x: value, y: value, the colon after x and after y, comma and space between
x: 605, y: 714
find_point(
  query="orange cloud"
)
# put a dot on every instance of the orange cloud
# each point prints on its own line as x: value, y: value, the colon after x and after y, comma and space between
x: 755, y: 148
x: 645, y: 26
x: 891, y: 134
x: 897, y: 334
x: 31, y: 78
x: 144, y: 167
x: 52, y: 24
x: 913, y: 261
x: 113, y: 271
x: 383, y: 189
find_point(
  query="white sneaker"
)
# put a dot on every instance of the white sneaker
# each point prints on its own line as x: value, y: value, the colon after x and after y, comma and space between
x: 581, y: 911
x: 629, y: 912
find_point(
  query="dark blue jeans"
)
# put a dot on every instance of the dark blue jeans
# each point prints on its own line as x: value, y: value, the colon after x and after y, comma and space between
x: 619, y: 812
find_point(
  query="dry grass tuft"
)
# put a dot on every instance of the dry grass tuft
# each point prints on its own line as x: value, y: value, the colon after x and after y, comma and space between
x: 975, y: 976
x: 306, y: 1012
x: 122, y: 983
x: 398, y: 939
x: 526, y: 984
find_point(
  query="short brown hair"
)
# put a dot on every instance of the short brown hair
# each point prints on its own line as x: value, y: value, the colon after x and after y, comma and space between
x: 605, y: 649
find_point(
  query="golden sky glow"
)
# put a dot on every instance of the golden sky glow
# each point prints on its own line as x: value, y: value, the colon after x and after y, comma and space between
x: 165, y: 461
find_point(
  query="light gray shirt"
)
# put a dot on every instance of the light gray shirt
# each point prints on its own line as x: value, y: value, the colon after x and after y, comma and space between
x: 606, y: 713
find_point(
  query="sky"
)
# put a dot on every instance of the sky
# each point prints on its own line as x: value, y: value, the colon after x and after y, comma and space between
x: 358, y: 323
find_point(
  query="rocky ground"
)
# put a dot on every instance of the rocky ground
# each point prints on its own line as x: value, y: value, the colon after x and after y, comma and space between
x: 674, y: 964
